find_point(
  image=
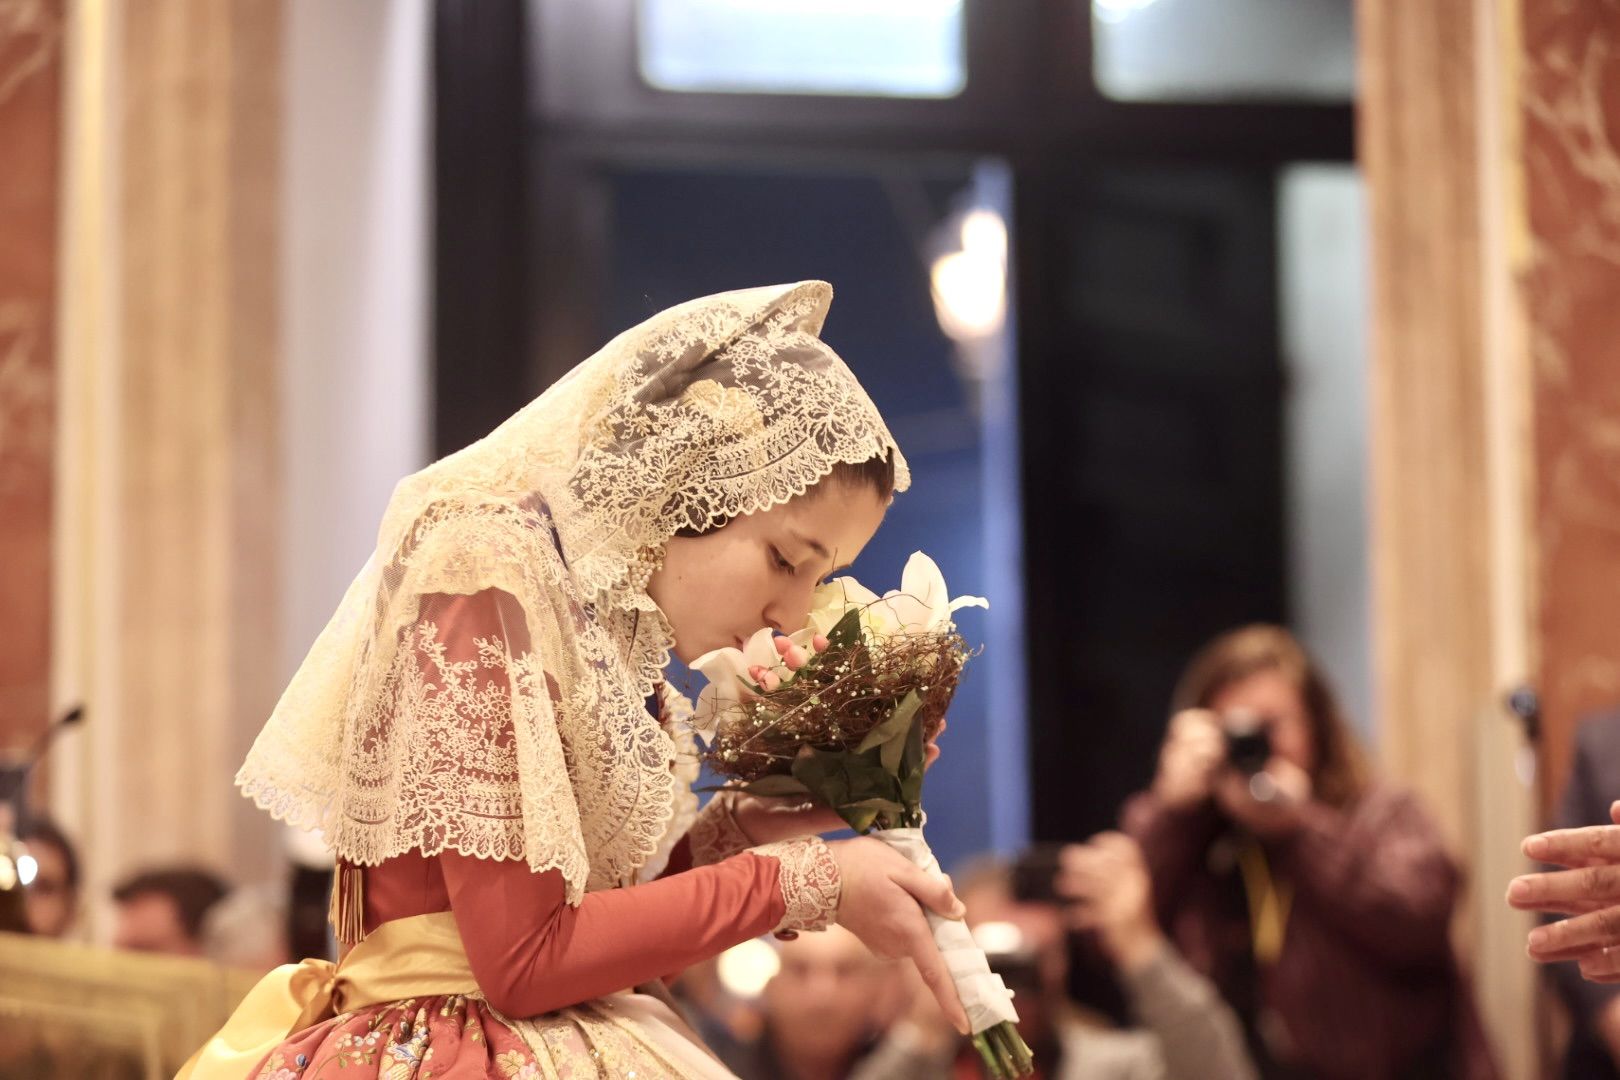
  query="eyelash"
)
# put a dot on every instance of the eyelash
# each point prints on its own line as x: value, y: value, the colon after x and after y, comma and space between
x: 782, y: 565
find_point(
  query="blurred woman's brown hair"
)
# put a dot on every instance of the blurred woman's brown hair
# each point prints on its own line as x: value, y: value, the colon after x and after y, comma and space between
x: 1340, y: 773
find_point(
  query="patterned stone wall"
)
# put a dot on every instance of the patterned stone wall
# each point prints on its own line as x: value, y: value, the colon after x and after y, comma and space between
x: 31, y: 41
x: 1570, y: 94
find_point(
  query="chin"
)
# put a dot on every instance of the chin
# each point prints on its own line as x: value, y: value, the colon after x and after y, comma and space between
x: 686, y: 655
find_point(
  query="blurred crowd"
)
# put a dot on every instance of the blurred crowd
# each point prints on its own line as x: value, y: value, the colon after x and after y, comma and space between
x: 1267, y: 907
x: 172, y: 910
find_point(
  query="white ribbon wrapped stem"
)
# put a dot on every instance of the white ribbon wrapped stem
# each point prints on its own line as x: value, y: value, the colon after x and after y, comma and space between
x: 985, y: 997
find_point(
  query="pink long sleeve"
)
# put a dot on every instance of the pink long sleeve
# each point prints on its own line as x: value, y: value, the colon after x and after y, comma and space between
x: 532, y: 953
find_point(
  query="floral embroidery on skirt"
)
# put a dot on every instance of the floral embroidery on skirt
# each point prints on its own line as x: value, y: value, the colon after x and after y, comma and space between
x: 457, y: 1037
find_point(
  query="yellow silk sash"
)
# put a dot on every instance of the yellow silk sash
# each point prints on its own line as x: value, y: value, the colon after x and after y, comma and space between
x: 420, y: 956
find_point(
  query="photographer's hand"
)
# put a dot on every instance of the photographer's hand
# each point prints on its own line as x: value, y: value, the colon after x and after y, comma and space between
x: 1268, y: 803
x: 1109, y: 891
x: 1192, y: 752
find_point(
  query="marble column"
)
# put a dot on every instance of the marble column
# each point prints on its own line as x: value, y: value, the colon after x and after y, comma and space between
x: 167, y: 620
x: 1452, y: 459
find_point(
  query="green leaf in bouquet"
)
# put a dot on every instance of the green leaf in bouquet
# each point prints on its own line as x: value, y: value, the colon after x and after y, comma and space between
x: 869, y: 779
x: 887, y: 806
x: 868, y: 812
x: 895, y: 750
x: 847, y: 631
x: 823, y: 775
x: 912, y: 764
x: 859, y: 818
x: 916, y: 746
x: 842, y: 779
x: 890, y: 735
x: 890, y: 754
x: 911, y: 788
x: 776, y: 785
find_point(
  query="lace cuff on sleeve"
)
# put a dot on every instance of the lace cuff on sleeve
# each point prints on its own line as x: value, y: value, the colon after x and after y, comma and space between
x: 808, y: 880
x: 715, y: 835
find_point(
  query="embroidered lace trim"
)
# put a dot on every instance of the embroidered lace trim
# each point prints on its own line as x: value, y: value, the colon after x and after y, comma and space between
x: 809, y: 882
x: 715, y: 835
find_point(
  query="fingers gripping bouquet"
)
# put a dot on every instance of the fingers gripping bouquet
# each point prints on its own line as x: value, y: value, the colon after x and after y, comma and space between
x: 843, y: 712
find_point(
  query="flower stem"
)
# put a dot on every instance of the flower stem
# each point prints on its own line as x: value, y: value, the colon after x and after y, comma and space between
x: 1009, y: 1067
x: 992, y: 1067
x: 1021, y: 1051
x: 1004, y: 1052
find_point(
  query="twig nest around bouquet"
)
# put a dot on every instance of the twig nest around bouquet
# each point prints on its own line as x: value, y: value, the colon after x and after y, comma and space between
x: 836, y: 699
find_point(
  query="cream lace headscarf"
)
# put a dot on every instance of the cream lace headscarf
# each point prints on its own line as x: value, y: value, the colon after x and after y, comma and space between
x: 540, y: 747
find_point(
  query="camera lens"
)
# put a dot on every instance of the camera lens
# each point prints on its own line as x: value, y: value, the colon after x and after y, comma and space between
x: 1248, y: 741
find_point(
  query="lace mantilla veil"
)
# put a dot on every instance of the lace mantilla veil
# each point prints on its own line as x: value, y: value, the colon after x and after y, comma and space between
x: 541, y: 748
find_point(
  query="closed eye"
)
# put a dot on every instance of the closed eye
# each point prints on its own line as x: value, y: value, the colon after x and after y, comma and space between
x: 782, y: 564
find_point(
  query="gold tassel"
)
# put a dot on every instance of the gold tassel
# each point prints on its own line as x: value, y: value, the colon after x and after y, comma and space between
x: 347, y: 913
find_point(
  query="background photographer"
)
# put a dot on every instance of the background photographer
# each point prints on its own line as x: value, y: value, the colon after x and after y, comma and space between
x: 1317, y: 899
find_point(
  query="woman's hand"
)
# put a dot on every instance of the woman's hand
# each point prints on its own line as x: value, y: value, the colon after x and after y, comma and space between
x: 1192, y: 752
x: 881, y: 899
x: 767, y: 820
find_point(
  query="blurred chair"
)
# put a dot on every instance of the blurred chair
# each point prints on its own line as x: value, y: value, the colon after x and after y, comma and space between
x: 69, y: 1010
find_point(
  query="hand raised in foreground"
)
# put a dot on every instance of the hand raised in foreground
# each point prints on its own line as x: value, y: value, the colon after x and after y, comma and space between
x: 1588, y: 891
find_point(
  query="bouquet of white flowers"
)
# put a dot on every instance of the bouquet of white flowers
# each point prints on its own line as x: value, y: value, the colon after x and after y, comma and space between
x: 842, y: 711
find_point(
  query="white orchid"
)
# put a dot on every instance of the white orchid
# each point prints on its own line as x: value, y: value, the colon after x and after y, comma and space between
x: 731, y: 672
x: 920, y: 605
x: 833, y: 599
x: 727, y: 672
x: 766, y: 661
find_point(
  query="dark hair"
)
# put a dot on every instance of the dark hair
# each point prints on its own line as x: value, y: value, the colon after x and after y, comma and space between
x: 875, y: 474
x: 193, y: 891
x: 42, y: 830
x: 1340, y: 775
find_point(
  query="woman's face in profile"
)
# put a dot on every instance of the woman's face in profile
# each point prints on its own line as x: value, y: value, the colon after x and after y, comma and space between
x: 1269, y: 694
x: 760, y: 569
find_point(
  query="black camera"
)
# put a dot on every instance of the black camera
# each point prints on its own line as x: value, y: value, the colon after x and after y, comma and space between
x: 1248, y: 741
x: 1034, y: 874
x: 1017, y: 965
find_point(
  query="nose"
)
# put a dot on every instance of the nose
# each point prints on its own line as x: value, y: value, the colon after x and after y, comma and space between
x: 789, y: 608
